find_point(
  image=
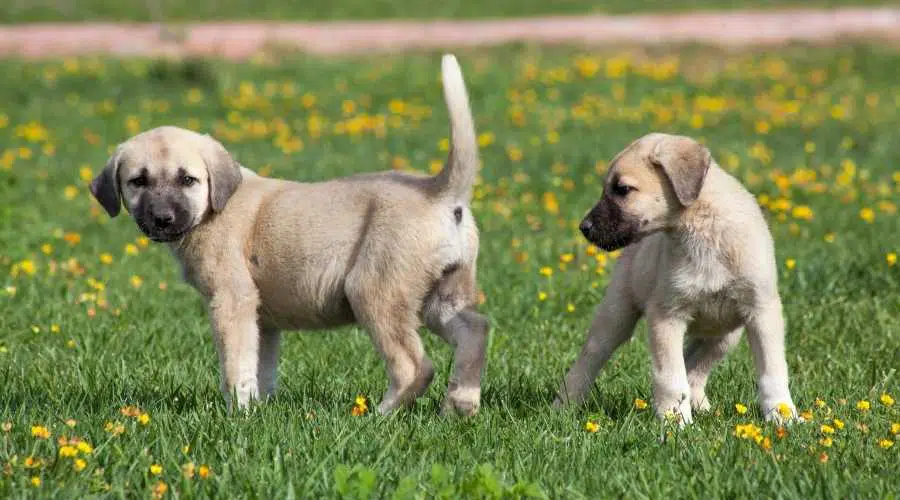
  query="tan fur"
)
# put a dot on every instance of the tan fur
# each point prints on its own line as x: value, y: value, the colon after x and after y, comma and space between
x: 700, y: 264
x: 388, y: 251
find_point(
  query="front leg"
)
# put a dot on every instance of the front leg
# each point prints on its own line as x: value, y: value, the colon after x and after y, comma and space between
x: 234, y: 323
x: 671, y: 390
x: 613, y: 324
x: 765, y: 333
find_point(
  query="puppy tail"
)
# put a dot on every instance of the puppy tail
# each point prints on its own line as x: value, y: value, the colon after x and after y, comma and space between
x: 458, y: 175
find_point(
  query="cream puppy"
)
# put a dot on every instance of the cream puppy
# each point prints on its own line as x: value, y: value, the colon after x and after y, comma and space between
x: 389, y: 251
x: 698, y: 263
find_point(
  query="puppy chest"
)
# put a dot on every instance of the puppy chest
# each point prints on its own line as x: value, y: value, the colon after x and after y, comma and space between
x: 715, y: 314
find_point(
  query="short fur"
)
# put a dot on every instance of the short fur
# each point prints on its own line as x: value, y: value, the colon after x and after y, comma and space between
x: 698, y: 262
x: 389, y: 251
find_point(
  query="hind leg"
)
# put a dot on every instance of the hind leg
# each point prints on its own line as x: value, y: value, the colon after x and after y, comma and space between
x: 700, y: 356
x: 391, y: 322
x: 450, y: 313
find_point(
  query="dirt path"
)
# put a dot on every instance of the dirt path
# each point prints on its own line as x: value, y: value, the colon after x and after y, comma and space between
x: 240, y: 40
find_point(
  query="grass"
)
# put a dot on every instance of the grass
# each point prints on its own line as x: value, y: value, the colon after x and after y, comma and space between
x: 97, y: 326
x: 14, y: 11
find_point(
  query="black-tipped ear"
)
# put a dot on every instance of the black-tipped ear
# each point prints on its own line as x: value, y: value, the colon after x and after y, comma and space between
x: 224, y: 174
x: 685, y: 162
x: 105, y: 187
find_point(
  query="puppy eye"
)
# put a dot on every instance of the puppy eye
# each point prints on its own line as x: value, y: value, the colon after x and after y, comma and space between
x: 622, y: 189
x: 138, y: 181
x: 189, y: 181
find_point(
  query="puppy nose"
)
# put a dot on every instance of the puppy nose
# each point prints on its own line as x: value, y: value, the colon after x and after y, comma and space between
x: 163, y: 220
x: 586, y: 227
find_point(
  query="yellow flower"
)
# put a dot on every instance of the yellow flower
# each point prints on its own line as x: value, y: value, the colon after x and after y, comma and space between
x: 591, y: 426
x: 570, y: 307
x: 143, y: 419
x: 542, y: 296
x: 35, y: 481
x: 131, y: 249
x: 55, y: 329
x: 79, y: 465
x: 70, y: 192
x: 143, y: 242
x: 823, y: 458
x: 7, y: 426
x: 85, y: 447
x: 106, y: 258
x: 204, y: 472
x: 566, y: 258
x: 748, y: 431
x: 188, y: 470
x: 546, y: 271
x: 891, y: 259
x: 136, y: 281
x: 160, y: 489
x: 156, y: 469
x: 863, y: 405
x: 85, y: 173
x: 895, y: 428
x: 867, y: 214
x: 885, y: 443
x: 114, y: 428
x: 47, y: 248
x: 68, y: 451
x: 826, y: 442
x: 72, y: 238
x: 829, y: 237
x: 740, y: 409
x: 785, y: 410
x: 838, y: 424
x: 40, y: 432
x: 790, y: 264
x: 826, y: 429
x: 551, y: 204
x: 820, y: 403
x: 886, y: 399
x: 640, y: 404
x: 802, y: 212
x: 807, y: 415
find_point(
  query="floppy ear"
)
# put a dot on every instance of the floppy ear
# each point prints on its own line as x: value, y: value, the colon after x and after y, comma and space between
x: 105, y: 187
x: 685, y: 162
x: 224, y: 173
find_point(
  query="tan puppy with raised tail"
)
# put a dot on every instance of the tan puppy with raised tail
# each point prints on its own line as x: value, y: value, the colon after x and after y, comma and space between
x: 698, y: 262
x: 388, y: 251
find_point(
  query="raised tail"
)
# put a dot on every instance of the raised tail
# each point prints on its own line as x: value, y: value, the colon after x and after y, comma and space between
x: 458, y: 175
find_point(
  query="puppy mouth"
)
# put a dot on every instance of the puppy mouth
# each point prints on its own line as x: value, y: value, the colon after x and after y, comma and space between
x: 165, y: 235
x: 610, y: 243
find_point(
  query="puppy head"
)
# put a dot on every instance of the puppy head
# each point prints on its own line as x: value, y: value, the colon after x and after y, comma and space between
x: 648, y: 184
x: 169, y: 179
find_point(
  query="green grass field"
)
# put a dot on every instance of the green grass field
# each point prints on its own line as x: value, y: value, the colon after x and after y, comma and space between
x: 100, y: 341
x: 176, y: 10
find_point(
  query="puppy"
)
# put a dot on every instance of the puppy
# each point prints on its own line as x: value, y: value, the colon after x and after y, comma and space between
x: 389, y: 251
x: 698, y: 262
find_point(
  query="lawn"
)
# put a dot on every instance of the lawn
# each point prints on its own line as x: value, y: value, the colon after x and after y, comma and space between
x: 110, y: 383
x: 177, y: 10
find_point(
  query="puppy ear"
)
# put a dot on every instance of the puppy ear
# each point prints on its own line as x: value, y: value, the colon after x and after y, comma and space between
x: 224, y: 174
x: 105, y: 187
x: 685, y: 162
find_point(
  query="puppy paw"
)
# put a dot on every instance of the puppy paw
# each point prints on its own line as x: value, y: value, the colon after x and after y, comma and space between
x: 462, y: 402
x: 676, y: 412
x: 699, y: 402
x: 781, y: 413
